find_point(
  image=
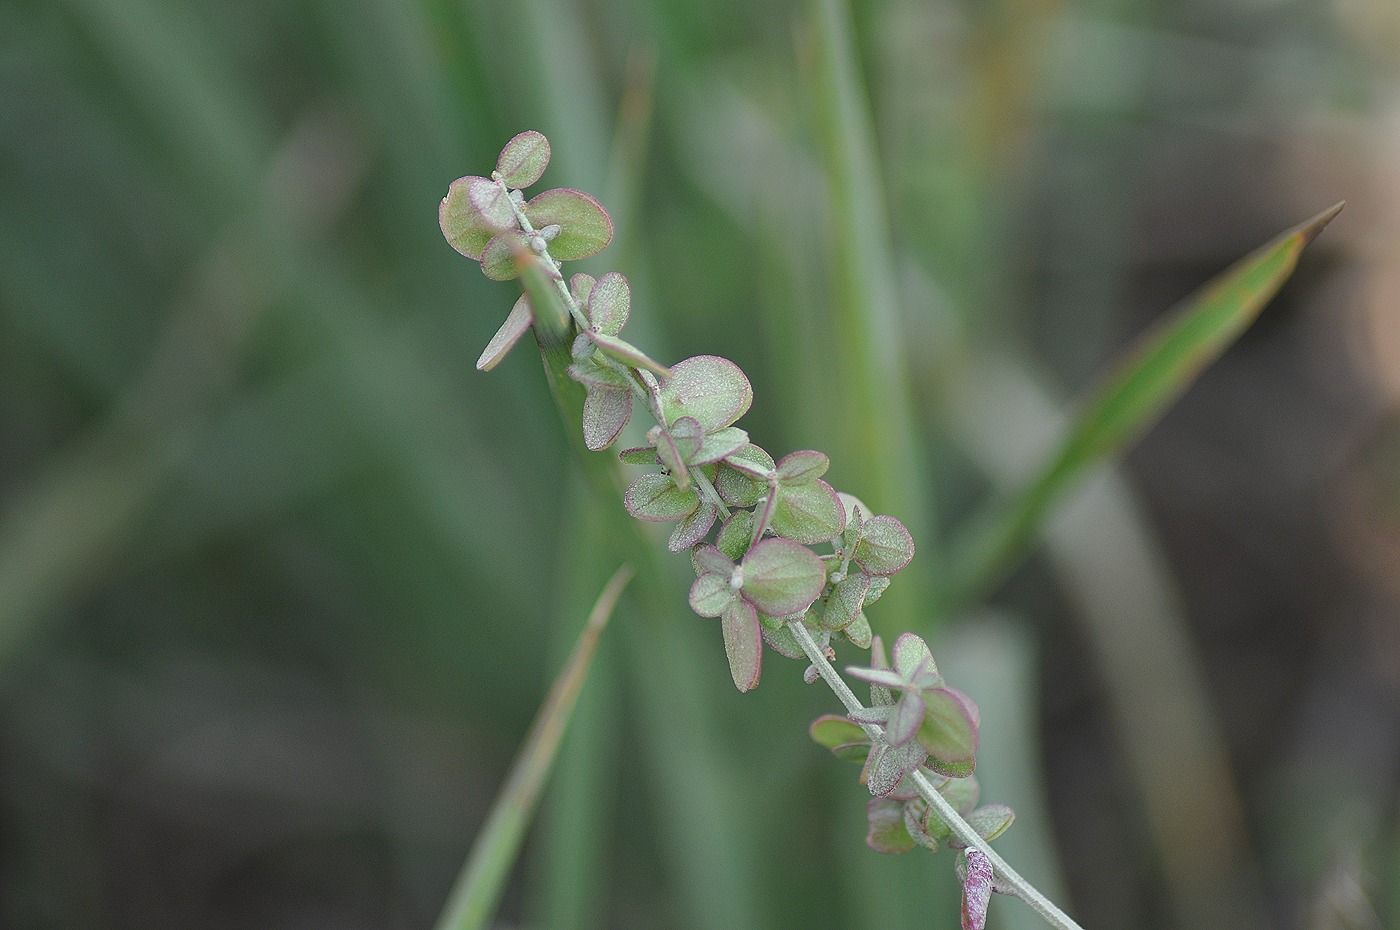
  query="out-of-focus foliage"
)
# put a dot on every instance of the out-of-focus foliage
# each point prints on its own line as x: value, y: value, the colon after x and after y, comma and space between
x: 273, y: 554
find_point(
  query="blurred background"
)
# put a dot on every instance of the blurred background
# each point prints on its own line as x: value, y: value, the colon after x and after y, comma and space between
x: 283, y: 579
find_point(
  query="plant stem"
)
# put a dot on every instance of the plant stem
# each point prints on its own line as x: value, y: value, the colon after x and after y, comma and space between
x: 1009, y: 879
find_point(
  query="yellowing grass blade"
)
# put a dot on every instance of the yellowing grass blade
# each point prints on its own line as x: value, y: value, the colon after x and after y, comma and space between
x: 1152, y: 375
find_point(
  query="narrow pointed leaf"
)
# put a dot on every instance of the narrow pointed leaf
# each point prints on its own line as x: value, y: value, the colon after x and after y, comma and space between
x: 1150, y: 377
x: 515, y: 326
x: 524, y: 159
x: 627, y: 353
x: 478, y: 887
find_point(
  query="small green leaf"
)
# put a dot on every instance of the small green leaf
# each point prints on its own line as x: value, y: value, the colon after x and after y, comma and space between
x: 587, y: 369
x: 807, y: 465
x: 516, y: 325
x: 711, y: 389
x: 1148, y: 379
x: 991, y: 820
x: 710, y: 594
x: 492, y: 203
x: 462, y: 226
x: 643, y: 455
x: 606, y: 411
x: 524, y: 159
x: 609, y: 302
x: 734, y: 536
x: 693, y: 528
x: 670, y: 456
x: 782, y: 577
x: 887, y: 832
x: 859, y: 633
x: 581, y: 286
x: 910, y: 653
x: 949, y: 732
x: 657, y: 499
x: 743, y: 643
x: 585, y: 228
x: 904, y: 721
x: 888, y: 765
x: 498, y: 259
x: 625, y: 352
x: 844, y: 603
x: 709, y: 560
x: 885, y: 546
x: 830, y: 731
x: 688, y: 436
x: 719, y: 444
x: 878, y: 584
x: 752, y: 461
x: 781, y: 638
x: 808, y: 512
x: 737, y: 488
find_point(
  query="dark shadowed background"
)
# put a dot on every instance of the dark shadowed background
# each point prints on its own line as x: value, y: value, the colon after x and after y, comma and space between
x: 283, y: 579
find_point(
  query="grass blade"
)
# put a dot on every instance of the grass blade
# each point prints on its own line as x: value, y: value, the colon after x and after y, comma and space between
x: 1155, y: 372
x: 478, y: 888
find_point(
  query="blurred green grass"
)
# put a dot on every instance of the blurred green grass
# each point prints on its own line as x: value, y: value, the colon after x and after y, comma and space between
x: 280, y: 573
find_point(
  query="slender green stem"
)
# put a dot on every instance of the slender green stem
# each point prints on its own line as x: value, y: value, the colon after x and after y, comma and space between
x: 1009, y: 879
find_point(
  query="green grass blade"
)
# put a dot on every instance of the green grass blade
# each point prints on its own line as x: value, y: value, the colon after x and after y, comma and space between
x: 875, y: 438
x: 1154, y: 373
x: 478, y: 888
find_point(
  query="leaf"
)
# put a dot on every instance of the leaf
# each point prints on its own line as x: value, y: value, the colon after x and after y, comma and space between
x: 657, y: 499
x: 782, y: 577
x: 606, y: 411
x: 581, y: 286
x: 734, y: 536
x: 626, y: 353
x: 737, y: 488
x: 904, y: 721
x: 524, y: 159
x: 693, y: 528
x: 830, y: 731
x: 479, y: 885
x: 642, y: 455
x: 844, y: 603
x: 498, y: 259
x: 888, y: 765
x: 887, y: 833
x: 609, y: 302
x: 991, y: 820
x: 782, y: 640
x: 752, y: 461
x: 885, y: 546
x: 492, y: 203
x: 462, y: 226
x: 516, y: 325
x: 743, y: 643
x: 859, y: 632
x: 688, y: 437
x: 711, y: 389
x: 710, y: 594
x: 718, y: 445
x: 1157, y: 370
x: 808, y: 512
x: 949, y: 732
x: 708, y: 559
x: 585, y: 228
x: 807, y: 465
x: 910, y: 653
